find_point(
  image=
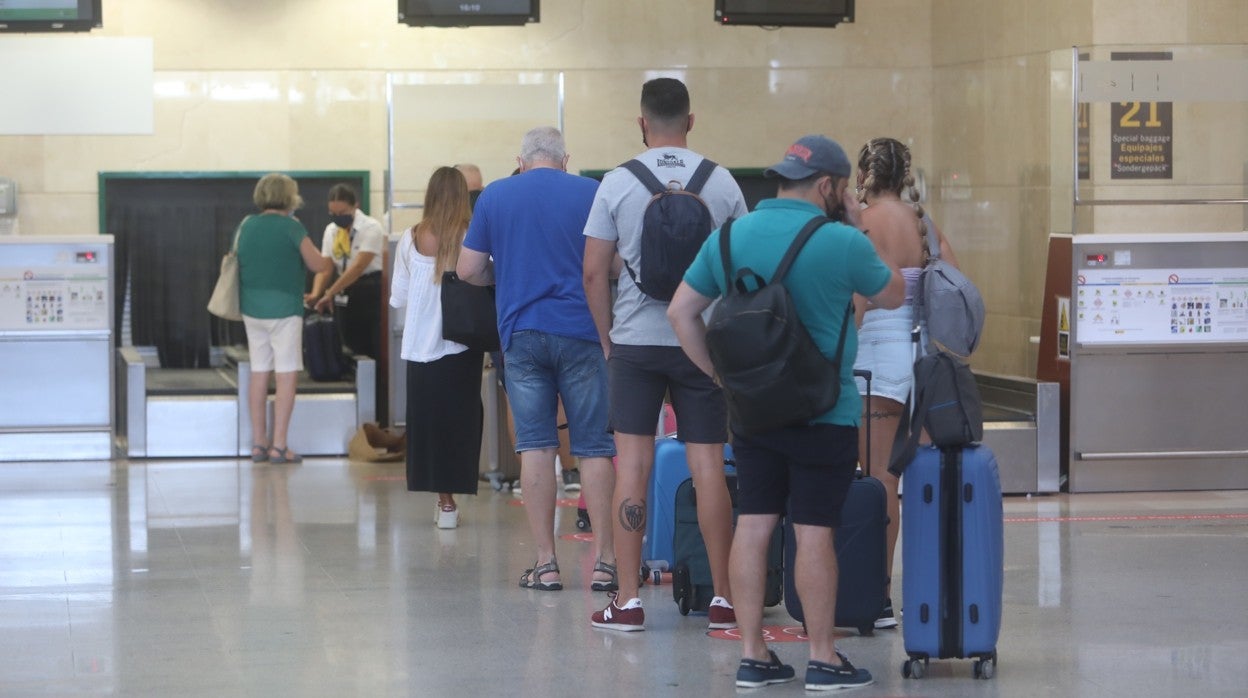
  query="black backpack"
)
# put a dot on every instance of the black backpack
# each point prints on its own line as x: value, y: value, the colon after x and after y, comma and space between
x: 675, y: 224
x: 946, y: 403
x: 771, y: 370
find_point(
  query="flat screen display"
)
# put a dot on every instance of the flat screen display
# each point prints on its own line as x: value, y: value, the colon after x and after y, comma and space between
x: 784, y: 13
x: 49, y: 15
x: 467, y: 13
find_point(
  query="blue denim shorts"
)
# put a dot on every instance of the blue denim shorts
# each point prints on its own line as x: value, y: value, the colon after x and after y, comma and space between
x: 541, y: 368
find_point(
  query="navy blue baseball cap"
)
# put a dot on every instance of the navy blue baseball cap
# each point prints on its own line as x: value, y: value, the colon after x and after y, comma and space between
x: 811, y: 155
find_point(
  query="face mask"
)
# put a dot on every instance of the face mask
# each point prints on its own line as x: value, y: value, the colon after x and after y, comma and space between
x: 346, y: 220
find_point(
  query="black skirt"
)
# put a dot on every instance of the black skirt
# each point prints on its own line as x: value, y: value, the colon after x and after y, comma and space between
x: 444, y: 417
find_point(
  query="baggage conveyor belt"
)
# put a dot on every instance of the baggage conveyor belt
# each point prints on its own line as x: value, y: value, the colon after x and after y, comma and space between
x: 171, y: 413
x: 1022, y: 427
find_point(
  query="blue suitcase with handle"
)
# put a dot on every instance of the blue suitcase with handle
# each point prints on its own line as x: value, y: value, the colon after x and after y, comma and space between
x: 953, y: 558
x: 670, y: 469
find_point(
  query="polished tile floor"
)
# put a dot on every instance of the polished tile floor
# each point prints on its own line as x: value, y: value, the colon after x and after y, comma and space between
x: 220, y: 578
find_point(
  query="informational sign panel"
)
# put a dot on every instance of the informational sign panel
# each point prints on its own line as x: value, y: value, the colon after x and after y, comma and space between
x: 1161, y: 305
x: 1141, y: 133
x: 54, y: 287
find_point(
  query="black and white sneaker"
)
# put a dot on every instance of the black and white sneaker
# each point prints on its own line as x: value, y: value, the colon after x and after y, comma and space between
x: 821, y: 676
x: 886, y: 619
x: 571, y: 480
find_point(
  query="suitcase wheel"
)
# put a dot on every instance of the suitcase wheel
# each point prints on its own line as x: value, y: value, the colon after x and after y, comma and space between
x: 582, y: 520
x: 682, y: 588
x: 867, y: 630
x: 496, y: 481
x: 985, y: 668
x: 914, y: 668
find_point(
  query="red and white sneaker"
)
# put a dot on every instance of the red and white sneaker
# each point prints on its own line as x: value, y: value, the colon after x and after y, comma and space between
x: 628, y: 618
x: 721, y: 614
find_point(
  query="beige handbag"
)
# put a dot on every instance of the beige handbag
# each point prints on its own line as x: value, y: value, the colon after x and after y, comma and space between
x: 224, y: 302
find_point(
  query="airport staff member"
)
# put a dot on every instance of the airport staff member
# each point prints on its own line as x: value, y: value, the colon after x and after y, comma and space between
x: 354, y: 242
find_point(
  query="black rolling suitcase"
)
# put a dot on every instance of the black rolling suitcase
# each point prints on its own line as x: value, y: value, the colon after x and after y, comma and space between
x: 323, y: 357
x: 860, y: 552
x: 692, y: 588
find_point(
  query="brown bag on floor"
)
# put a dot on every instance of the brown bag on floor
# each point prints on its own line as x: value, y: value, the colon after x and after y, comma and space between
x: 372, y: 444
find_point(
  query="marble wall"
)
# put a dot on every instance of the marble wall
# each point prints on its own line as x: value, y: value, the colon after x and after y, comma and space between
x: 302, y: 85
x: 1001, y: 151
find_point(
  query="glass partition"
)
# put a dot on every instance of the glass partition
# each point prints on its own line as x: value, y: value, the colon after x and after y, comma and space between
x: 445, y: 118
x: 1156, y: 137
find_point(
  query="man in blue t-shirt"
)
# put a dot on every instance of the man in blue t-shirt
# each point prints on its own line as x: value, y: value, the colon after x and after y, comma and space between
x: 531, y: 226
x: 804, y: 470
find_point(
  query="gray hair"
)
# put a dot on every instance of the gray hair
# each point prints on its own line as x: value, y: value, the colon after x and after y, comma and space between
x: 277, y: 191
x: 542, y: 144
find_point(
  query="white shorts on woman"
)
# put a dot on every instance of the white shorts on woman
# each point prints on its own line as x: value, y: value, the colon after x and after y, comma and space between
x: 885, y: 349
x: 275, y: 344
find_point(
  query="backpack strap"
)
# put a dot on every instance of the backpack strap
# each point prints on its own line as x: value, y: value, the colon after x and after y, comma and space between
x: 933, y: 245
x: 906, y: 442
x: 645, y: 176
x: 725, y: 255
x: 700, y: 175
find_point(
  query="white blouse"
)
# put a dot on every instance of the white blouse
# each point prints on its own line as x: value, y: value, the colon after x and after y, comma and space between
x: 412, y: 286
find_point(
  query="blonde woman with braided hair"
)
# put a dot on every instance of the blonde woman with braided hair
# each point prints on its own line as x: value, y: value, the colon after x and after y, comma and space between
x: 900, y: 231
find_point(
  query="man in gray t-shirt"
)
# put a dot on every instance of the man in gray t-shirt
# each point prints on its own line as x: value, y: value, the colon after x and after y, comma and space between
x: 645, y: 361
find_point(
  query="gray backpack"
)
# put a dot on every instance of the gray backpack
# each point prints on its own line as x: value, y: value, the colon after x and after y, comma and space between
x: 947, y: 305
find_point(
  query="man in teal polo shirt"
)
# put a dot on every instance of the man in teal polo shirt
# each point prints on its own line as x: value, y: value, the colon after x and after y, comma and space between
x: 804, y: 470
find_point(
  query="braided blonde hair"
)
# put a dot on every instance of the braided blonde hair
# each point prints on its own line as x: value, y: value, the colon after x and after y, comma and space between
x: 885, y: 164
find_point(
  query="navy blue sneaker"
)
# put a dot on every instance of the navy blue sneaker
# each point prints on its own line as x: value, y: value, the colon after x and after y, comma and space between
x: 755, y: 674
x: 821, y: 676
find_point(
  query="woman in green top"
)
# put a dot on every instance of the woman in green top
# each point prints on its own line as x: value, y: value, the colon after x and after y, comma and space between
x: 273, y: 253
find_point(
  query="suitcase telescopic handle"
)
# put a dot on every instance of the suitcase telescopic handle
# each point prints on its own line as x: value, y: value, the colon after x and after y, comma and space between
x: 865, y: 374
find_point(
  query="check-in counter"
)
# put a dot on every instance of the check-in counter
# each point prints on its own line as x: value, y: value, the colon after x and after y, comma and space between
x: 1159, y: 362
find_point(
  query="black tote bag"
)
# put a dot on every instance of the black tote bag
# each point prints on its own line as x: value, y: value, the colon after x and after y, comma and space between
x: 468, y: 314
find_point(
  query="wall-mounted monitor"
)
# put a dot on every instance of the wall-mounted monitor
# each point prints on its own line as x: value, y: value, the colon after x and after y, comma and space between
x: 784, y: 13
x: 468, y: 13
x: 50, y: 15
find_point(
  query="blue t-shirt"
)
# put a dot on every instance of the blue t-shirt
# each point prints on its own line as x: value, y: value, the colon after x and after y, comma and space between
x: 532, y: 225
x: 837, y: 262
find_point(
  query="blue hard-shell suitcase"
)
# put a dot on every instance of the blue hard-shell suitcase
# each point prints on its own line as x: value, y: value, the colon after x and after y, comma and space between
x: 953, y: 558
x: 670, y: 469
x: 861, y: 542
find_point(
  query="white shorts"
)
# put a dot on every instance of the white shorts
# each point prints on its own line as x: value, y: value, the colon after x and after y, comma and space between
x: 275, y: 344
x: 885, y: 348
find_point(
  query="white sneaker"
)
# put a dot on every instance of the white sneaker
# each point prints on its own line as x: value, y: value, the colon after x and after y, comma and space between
x: 448, y: 519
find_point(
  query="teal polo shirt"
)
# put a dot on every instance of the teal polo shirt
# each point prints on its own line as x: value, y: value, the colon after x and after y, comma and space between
x: 838, y: 261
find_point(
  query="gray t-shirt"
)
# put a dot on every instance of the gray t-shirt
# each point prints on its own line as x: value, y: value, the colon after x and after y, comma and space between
x: 617, y: 215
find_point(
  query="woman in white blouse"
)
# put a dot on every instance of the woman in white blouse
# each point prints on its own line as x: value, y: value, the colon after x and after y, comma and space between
x: 444, y: 410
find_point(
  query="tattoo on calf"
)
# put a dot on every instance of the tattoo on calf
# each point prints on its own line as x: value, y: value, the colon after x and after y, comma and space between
x: 633, y: 516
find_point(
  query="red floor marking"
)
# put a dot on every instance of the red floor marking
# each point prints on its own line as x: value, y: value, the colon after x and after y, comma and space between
x: 1141, y: 517
x: 579, y: 537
